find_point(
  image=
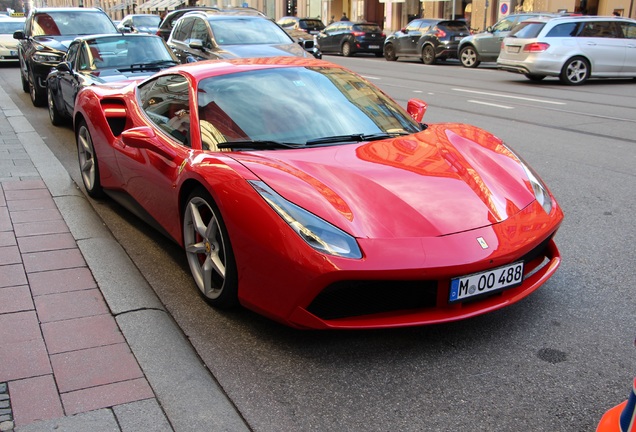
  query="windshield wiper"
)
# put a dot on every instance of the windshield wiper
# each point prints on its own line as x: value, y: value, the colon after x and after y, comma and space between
x: 354, y: 138
x: 148, y: 66
x: 257, y: 145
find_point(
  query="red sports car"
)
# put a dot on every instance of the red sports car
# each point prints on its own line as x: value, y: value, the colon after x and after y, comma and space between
x: 301, y: 191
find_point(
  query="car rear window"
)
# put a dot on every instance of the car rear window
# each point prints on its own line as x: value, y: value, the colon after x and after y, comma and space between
x: 527, y: 30
x: 367, y: 28
x: 453, y: 26
x: 312, y: 24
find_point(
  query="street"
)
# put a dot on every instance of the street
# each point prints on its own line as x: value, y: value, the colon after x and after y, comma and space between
x: 553, y: 362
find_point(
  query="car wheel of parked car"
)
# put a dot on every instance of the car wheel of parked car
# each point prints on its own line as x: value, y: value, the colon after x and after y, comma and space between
x: 468, y: 57
x: 38, y: 98
x: 536, y: 78
x: 208, y: 250
x: 89, y: 167
x: 428, y: 55
x: 575, y: 71
x: 54, y: 114
x: 389, y: 52
x: 25, y: 81
x: 346, y: 49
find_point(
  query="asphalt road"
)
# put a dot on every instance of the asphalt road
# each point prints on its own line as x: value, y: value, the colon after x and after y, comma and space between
x: 553, y: 362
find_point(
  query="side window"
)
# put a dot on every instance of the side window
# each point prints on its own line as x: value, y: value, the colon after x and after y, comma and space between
x: 200, y: 31
x: 629, y: 30
x: 85, y: 60
x: 71, y: 55
x: 182, y: 32
x: 413, y: 25
x: 563, y: 30
x: 504, y: 25
x: 599, y: 29
x: 166, y: 101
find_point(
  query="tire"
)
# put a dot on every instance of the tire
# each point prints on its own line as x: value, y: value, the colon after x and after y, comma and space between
x: 428, y: 55
x: 346, y: 49
x: 389, y: 52
x: 89, y: 166
x: 575, y: 71
x: 38, y: 97
x: 468, y: 57
x: 25, y: 81
x: 56, y: 118
x: 534, y: 77
x: 208, y: 251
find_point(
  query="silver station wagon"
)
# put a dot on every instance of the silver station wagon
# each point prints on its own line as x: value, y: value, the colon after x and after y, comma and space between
x: 573, y: 48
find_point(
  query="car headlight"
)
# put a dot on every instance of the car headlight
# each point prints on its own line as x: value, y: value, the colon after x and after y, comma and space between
x: 538, y: 187
x: 46, y: 58
x: 318, y: 233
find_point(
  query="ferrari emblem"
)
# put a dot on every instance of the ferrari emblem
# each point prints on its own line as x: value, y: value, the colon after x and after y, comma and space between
x: 482, y: 242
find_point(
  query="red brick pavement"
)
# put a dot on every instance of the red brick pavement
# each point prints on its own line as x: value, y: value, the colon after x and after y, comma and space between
x: 61, y: 351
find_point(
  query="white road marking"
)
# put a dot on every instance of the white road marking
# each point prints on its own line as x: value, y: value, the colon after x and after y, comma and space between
x: 509, y: 96
x: 491, y: 104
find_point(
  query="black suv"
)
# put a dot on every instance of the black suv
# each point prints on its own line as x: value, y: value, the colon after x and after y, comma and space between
x: 46, y: 36
x: 429, y: 39
x: 218, y: 35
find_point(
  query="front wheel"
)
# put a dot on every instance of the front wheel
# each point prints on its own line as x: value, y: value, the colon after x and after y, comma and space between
x: 38, y: 97
x: 428, y: 55
x: 209, y: 251
x: 89, y: 167
x: 56, y: 118
x: 468, y: 57
x: 346, y: 49
x: 575, y: 71
x: 389, y: 52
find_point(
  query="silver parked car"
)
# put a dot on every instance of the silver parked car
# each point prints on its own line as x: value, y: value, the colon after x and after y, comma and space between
x: 485, y: 46
x: 573, y: 48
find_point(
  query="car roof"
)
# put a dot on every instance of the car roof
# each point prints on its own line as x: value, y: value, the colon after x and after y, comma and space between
x: 571, y: 18
x: 66, y: 9
x: 223, y: 15
x: 117, y: 36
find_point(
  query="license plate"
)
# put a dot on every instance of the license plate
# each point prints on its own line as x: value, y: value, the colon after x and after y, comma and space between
x: 475, y: 284
x: 374, y: 46
x: 513, y: 49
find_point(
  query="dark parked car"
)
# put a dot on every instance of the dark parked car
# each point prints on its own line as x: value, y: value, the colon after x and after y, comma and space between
x: 43, y: 42
x: 349, y: 38
x: 308, y: 25
x: 103, y: 59
x: 428, y: 39
x: 140, y: 23
x: 212, y: 35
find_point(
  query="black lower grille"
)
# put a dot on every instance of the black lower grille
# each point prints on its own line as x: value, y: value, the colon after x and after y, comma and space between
x: 356, y: 298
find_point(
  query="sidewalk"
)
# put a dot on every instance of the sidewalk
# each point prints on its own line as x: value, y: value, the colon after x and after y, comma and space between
x: 85, y: 344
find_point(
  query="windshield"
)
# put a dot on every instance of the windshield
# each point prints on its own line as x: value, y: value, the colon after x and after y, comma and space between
x: 241, y: 31
x: 295, y: 105
x: 116, y: 52
x: 72, y: 23
x: 8, y: 27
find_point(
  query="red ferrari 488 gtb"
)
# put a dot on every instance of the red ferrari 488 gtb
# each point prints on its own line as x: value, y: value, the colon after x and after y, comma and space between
x: 301, y: 191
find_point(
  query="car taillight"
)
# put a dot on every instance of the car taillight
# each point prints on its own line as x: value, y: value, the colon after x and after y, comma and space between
x: 440, y: 33
x: 536, y: 47
x: 358, y: 33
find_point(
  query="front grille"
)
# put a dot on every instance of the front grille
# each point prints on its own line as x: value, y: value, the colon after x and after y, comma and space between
x: 356, y: 298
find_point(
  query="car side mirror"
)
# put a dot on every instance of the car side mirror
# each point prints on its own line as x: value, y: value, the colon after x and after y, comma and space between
x: 64, y: 67
x: 404, y: 30
x: 196, y: 44
x: 18, y: 34
x: 489, y: 29
x: 416, y: 108
x: 145, y: 138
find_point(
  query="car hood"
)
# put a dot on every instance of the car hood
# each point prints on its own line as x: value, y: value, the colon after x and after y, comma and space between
x: 447, y: 179
x: 264, y: 50
x: 114, y: 75
x: 8, y: 41
x: 60, y: 43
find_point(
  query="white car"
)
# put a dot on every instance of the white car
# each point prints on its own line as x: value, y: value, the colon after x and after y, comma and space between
x: 573, y: 48
x: 8, y: 45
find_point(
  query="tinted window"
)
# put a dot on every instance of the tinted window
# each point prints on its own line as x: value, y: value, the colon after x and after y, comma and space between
x: 564, y: 30
x: 311, y: 24
x: 367, y: 28
x: 599, y: 29
x: 166, y: 101
x: 527, y: 30
x: 453, y: 26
